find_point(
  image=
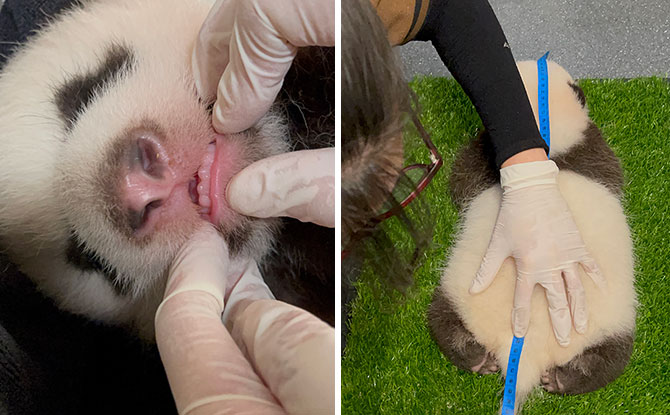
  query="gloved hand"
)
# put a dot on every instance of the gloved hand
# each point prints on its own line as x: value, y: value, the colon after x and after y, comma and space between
x: 300, y: 184
x: 536, y: 228
x: 283, y: 347
x: 292, y: 350
x: 253, y: 43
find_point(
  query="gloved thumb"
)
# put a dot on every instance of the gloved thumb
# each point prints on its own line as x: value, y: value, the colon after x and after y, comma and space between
x: 495, y: 255
x: 200, y: 265
x: 300, y: 185
x: 264, y: 41
x: 593, y: 271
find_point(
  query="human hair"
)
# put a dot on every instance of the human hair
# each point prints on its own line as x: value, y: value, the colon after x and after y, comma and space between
x: 376, y: 105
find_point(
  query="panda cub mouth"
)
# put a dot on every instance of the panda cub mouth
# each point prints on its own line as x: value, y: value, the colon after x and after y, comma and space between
x: 204, y: 187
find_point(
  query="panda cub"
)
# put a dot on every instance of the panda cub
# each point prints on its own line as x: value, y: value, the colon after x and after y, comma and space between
x: 109, y: 163
x: 475, y: 331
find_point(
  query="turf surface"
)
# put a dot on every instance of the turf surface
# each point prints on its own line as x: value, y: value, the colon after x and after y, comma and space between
x: 391, y: 365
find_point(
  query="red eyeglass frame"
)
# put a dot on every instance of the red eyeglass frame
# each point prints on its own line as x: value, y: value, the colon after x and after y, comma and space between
x: 429, y: 172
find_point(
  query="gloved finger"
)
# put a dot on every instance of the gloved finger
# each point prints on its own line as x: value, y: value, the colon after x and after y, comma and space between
x: 496, y: 254
x: 200, y: 265
x: 300, y: 184
x: 576, y: 298
x: 250, y: 286
x: 194, y: 344
x: 206, y: 370
x: 211, y: 50
x: 262, y: 47
x: 559, y: 311
x: 523, y: 291
x: 292, y: 350
x: 593, y: 270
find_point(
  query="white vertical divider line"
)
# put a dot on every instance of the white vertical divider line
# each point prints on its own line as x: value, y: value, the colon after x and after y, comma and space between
x: 338, y: 209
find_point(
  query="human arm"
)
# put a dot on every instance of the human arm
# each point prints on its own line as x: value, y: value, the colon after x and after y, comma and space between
x: 468, y: 38
x: 471, y: 43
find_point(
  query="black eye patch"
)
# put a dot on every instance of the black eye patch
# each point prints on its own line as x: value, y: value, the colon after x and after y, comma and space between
x: 76, y: 94
x: 80, y: 256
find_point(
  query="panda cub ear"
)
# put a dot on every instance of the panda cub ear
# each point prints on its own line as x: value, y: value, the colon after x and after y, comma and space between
x: 579, y: 92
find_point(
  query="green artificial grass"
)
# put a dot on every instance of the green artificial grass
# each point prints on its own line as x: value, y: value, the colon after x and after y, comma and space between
x: 392, y: 366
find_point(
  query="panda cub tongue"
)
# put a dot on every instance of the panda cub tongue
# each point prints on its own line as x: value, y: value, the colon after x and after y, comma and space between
x: 211, y: 188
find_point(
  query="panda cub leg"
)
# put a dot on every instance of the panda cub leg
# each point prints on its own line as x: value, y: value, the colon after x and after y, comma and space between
x: 594, y: 368
x: 455, y: 341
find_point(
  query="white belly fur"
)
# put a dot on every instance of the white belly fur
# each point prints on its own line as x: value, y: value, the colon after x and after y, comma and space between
x: 601, y: 221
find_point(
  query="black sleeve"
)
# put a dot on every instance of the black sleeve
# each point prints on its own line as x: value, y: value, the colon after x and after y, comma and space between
x: 471, y: 43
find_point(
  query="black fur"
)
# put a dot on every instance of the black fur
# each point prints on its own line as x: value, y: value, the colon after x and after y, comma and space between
x: 79, y: 91
x: 453, y: 339
x: 594, y: 368
x: 53, y: 362
x: 20, y: 18
x: 475, y: 170
x: 301, y: 268
x: 83, y: 258
x: 308, y: 97
x: 591, y: 370
x: 579, y: 92
x: 237, y: 239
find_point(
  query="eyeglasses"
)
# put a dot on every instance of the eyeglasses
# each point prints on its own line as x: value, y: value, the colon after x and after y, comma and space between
x: 418, y: 174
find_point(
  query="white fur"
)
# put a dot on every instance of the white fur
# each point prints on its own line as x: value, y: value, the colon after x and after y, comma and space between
x: 602, y: 223
x: 567, y: 118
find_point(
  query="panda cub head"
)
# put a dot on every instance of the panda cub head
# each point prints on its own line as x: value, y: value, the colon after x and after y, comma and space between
x: 576, y: 142
x: 108, y: 161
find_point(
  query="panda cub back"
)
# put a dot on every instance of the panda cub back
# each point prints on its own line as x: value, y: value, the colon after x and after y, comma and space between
x: 475, y: 331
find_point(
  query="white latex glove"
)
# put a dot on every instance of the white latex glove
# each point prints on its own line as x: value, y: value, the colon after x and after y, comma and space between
x: 300, y: 184
x: 253, y: 43
x: 536, y: 228
x: 207, y: 371
x: 292, y: 350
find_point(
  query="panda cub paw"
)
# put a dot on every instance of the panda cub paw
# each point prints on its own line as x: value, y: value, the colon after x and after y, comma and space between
x: 550, y: 381
x: 487, y: 365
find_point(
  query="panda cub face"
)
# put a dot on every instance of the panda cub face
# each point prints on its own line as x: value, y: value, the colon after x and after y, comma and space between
x: 108, y: 161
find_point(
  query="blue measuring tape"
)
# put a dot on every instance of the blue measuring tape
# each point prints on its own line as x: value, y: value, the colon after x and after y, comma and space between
x: 543, y: 98
x: 509, y: 394
x: 510, y: 377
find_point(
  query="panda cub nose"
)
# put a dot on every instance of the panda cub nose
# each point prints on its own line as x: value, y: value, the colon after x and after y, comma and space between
x: 148, y: 180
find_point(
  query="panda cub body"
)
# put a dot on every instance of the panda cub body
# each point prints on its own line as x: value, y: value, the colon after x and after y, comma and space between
x: 475, y: 331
